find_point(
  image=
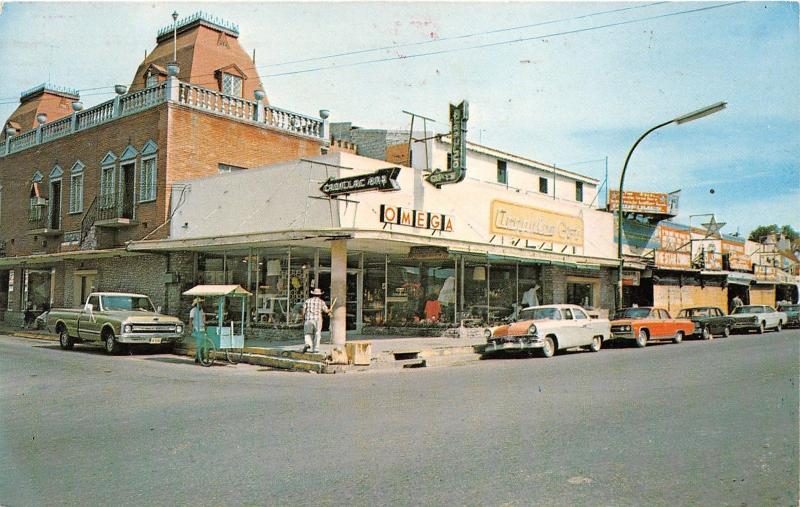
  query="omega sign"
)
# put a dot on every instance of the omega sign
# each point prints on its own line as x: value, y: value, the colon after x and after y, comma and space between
x: 509, y: 219
x: 416, y: 218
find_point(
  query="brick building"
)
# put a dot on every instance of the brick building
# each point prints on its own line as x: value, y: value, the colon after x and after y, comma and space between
x: 76, y: 185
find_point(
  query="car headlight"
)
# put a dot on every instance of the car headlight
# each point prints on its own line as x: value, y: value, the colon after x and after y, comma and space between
x: 487, y: 333
x: 532, y: 329
x: 179, y: 329
x: 127, y: 328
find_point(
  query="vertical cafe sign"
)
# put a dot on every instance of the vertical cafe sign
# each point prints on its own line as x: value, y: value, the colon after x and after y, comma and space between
x: 458, y: 149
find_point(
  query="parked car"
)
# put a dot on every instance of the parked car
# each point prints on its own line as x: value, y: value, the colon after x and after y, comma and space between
x: 792, y: 312
x: 708, y: 321
x: 645, y: 323
x: 757, y: 318
x: 114, y: 318
x: 549, y: 328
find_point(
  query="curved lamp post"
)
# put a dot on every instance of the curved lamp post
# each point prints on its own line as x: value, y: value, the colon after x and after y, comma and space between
x: 680, y: 120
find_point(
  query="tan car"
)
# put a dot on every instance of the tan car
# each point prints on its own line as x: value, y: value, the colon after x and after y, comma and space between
x: 114, y: 318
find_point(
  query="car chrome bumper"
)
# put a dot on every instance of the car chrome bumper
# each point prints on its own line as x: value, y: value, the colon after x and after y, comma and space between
x: 627, y: 335
x: 137, y: 338
x: 516, y: 345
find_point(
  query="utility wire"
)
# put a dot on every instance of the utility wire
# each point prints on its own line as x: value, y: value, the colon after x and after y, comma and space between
x: 466, y: 48
x: 7, y: 100
x: 512, y: 41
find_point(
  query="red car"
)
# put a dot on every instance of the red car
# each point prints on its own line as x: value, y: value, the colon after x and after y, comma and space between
x: 647, y: 323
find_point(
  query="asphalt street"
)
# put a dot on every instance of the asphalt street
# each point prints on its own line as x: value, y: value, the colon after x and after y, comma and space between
x: 700, y: 423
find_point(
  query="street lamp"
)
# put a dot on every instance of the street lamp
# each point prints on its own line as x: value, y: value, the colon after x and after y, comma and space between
x: 680, y: 120
x: 175, y: 36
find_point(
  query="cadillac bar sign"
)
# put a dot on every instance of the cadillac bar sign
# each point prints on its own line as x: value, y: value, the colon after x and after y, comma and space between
x: 509, y: 219
x: 382, y: 180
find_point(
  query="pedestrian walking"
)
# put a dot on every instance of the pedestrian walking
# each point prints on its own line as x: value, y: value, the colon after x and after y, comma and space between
x: 197, y: 319
x: 313, y: 308
x: 737, y: 302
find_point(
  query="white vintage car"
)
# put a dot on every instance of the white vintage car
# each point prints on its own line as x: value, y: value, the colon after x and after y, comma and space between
x: 549, y: 328
x: 757, y: 318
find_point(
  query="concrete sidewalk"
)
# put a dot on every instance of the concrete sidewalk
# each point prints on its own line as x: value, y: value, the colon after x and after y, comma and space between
x: 387, y: 352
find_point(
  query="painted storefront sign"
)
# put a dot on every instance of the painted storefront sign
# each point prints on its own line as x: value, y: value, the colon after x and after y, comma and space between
x: 675, y: 249
x: 509, y: 219
x: 416, y: 218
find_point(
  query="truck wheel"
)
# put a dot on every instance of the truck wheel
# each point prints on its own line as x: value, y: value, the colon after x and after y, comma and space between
x: 597, y: 344
x: 65, y: 340
x: 707, y: 334
x: 112, y: 347
x: 641, y: 338
x: 678, y: 337
x: 727, y: 331
x: 549, y: 347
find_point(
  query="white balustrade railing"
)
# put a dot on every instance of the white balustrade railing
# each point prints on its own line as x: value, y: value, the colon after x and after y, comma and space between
x: 210, y: 100
x: 95, y: 115
x: 293, y: 122
x: 142, y: 99
x: 22, y: 141
x: 190, y: 95
x: 58, y: 128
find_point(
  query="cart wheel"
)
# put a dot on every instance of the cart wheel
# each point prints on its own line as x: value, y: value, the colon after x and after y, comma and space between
x: 234, y: 356
x: 207, y: 352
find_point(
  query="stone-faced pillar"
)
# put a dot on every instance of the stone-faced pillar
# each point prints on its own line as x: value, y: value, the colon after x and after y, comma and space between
x: 339, y: 291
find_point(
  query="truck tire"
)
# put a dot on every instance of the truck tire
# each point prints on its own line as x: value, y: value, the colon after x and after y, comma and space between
x: 64, y: 339
x: 112, y: 347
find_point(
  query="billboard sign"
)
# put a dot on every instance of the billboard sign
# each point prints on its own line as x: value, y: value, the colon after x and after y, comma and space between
x: 643, y: 202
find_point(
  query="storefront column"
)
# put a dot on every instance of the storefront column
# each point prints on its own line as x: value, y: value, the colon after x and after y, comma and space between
x: 339, y: 291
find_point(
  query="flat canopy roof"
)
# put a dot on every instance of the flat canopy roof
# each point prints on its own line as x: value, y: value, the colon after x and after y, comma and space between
x: 216, y: 290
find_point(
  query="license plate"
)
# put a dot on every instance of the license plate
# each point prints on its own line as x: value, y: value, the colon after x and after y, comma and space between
x: 155, y: 341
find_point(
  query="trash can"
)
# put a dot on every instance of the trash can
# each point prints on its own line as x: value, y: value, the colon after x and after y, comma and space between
x: 359, y: 352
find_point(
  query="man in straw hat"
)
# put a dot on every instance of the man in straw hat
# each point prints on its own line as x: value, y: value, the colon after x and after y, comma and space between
x: 197, y: 320
x: 312, y: 319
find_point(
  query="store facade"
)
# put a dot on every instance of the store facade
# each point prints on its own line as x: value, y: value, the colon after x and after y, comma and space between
x: 407, y: 259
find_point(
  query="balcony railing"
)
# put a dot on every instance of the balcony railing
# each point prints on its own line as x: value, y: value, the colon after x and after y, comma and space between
x: 186, y: 94
x: 113, y: 206
x: 37, y: 219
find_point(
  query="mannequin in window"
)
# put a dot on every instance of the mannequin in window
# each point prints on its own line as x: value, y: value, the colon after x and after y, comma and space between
x: 530, y: 296
x: 447, y: 295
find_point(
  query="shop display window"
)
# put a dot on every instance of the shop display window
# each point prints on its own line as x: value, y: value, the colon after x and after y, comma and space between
x: 420, y: 292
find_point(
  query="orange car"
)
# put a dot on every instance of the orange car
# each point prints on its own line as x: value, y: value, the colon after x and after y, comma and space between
x: 647, y: 323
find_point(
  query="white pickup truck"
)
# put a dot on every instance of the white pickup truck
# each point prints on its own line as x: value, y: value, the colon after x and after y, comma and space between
x: 114, y: 318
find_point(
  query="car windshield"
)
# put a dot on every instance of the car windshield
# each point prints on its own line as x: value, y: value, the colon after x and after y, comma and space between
x: 748, y: 309
x: 632, y: 313
x: 539, y: 314
x: 128, y: 303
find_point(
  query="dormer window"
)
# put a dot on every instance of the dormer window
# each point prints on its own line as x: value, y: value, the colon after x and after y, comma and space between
x: 231, y: 85
x: 154, y: 75
x: 231, y: 79
x: 151, y: 80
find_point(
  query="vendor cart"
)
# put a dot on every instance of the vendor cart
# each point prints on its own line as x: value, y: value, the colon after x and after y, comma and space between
x: 222, y: 336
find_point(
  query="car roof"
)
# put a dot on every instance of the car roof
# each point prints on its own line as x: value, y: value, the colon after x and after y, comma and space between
x: 559, y: 306
x: 119, y: 294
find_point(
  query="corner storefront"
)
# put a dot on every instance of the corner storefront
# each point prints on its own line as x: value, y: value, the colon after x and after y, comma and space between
x: 412, y: 259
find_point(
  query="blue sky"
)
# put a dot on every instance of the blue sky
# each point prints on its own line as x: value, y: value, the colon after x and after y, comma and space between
x: 557, y: 97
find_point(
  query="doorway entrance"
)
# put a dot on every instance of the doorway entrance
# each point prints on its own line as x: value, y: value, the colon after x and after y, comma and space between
x: 55, y: 205
x: 354, y: 289
x: 83, y: 285
x: 128, y: 190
